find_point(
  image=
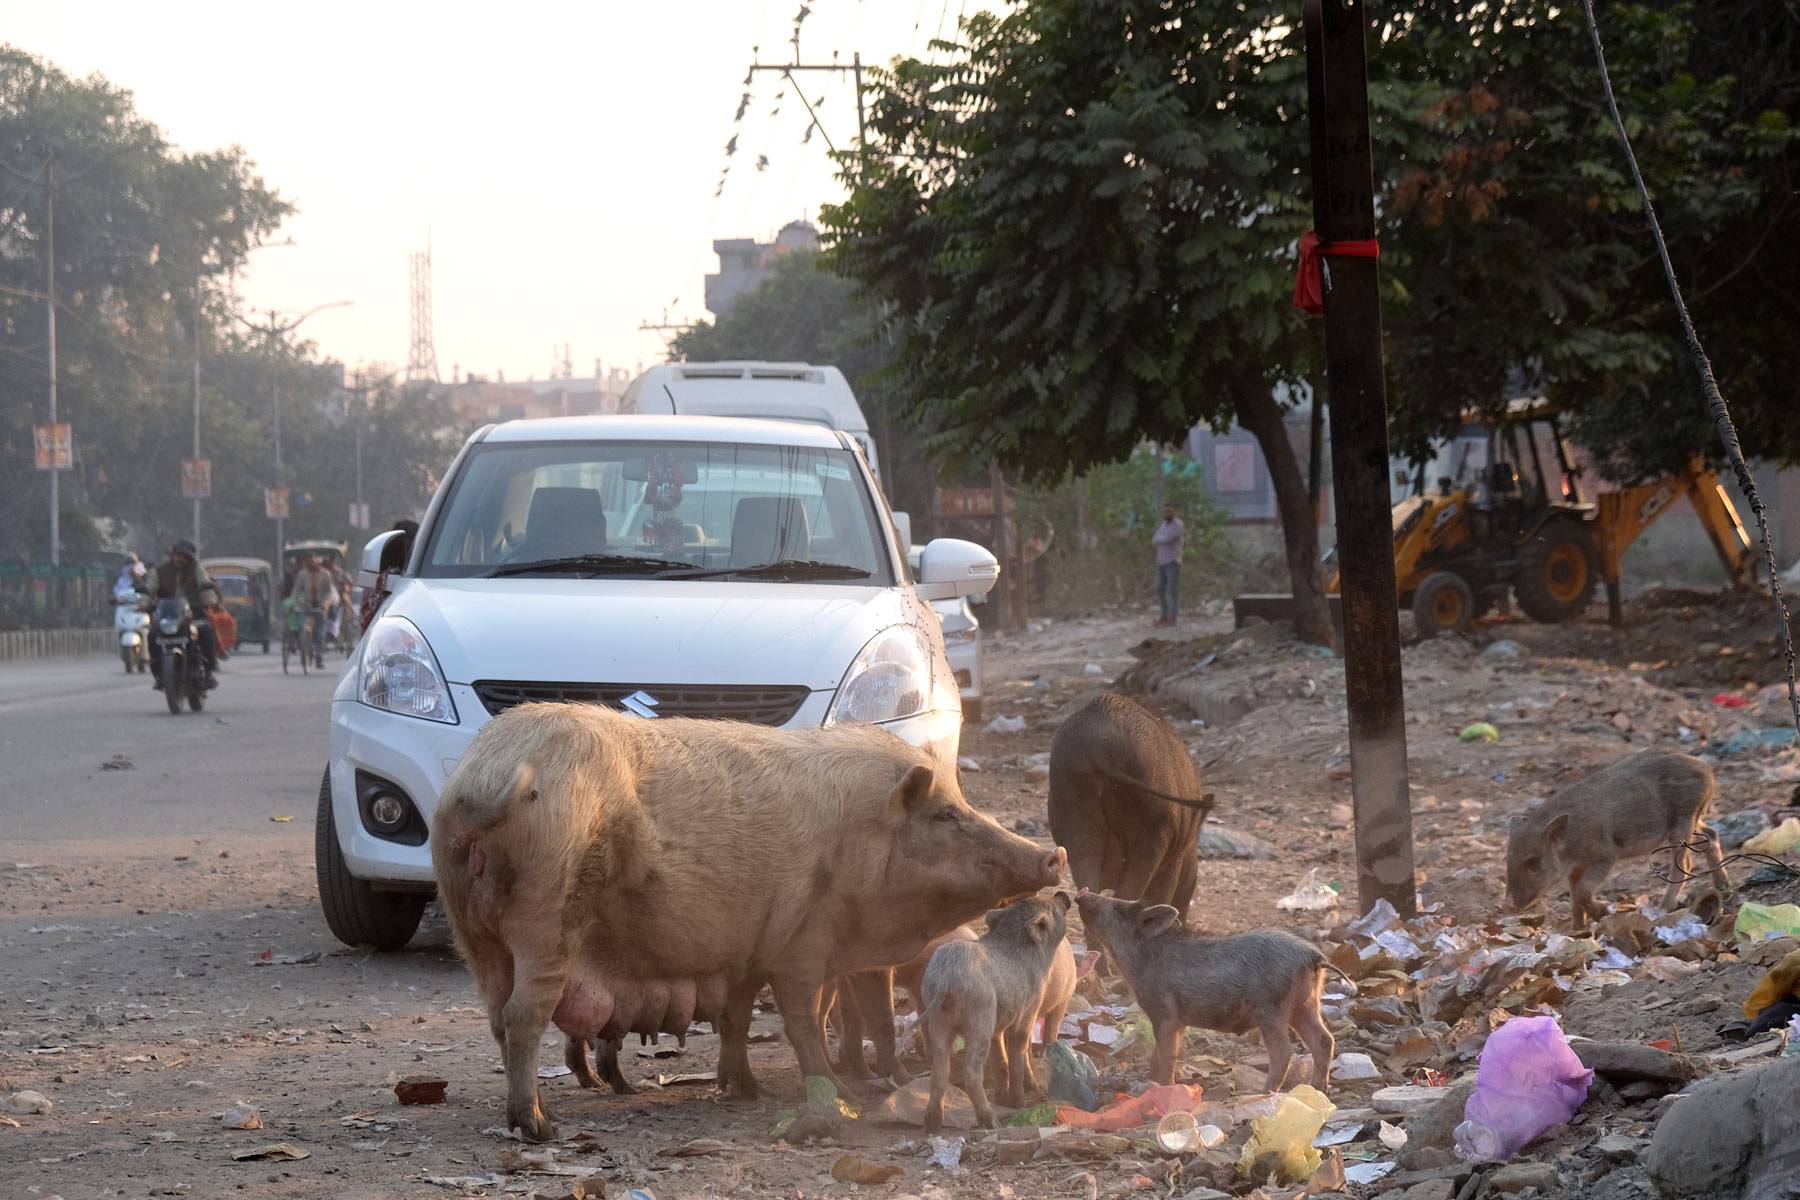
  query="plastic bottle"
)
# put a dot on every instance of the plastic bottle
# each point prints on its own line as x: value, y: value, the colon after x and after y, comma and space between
x: 1529, y: 1080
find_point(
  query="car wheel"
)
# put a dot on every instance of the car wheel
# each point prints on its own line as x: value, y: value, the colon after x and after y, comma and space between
x: 356, y: 913
x: 1557, y: 570
x: 972, y: 711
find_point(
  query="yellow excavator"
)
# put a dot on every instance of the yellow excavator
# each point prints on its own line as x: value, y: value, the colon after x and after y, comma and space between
x: 1506, y: 517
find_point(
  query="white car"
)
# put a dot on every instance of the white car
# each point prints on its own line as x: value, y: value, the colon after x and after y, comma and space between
x: 664, y: 566
x: 962, y: 643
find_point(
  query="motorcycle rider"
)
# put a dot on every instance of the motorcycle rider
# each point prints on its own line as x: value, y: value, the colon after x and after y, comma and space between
x: 181, y: 575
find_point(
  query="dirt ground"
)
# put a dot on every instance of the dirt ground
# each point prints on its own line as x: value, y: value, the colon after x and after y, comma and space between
x: 142, y: 998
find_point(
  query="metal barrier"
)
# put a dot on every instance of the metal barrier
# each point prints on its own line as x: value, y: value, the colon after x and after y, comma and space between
x: 24, y: 644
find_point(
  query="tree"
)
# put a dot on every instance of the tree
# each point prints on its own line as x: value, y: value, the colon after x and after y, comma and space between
x: 1083, y: 224
x: 136, y: 223
x: 1513, y: 241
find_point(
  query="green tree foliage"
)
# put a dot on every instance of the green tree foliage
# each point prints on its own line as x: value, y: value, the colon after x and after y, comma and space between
x: 1514, y: 244
x: 1084, y: 222
x: 141, y: 229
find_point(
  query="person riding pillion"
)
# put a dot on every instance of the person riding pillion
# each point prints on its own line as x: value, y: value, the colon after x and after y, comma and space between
x: 181, y: 575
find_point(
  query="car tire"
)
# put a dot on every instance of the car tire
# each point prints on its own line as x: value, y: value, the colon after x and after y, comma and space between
x: 356, y: 913
x: 971, y: 711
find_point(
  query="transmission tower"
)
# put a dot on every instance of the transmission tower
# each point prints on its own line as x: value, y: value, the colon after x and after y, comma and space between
x: 421, y: 360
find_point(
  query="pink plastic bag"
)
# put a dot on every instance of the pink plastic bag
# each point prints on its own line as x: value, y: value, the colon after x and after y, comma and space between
x: 1128, y: 1112
x: 1528, y: 1081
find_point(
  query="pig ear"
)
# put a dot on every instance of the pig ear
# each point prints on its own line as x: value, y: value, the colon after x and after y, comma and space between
x: 1557, y: 829
x: 993, y: 917
x: 1062, y: 898
x: 1040, y: 927
x: 913, y: 792
x: 1156, y: 919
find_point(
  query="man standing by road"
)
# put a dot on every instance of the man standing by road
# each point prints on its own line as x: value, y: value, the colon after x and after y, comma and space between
x: 1167, y: 539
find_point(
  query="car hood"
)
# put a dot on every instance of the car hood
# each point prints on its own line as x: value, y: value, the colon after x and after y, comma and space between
x: 644, y: 632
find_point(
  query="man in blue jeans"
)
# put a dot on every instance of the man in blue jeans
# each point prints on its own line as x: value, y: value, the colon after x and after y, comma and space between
x: 1167, y: 539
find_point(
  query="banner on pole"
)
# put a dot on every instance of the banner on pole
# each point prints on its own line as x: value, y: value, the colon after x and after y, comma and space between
x: 359, y: 514
x: 196, y: 478
x: 55, y: 447
x: 275, y: 502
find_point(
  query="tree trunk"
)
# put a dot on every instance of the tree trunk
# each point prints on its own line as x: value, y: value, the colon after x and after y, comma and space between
x: 1258, y: 412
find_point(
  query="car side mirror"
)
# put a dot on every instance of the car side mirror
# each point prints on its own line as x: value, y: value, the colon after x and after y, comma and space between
x: 950, y: 567
x: 371, y: 557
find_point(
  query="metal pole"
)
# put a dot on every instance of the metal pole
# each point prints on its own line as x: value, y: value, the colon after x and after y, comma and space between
x: 359, y: 431
x: 1344, y: 210
x: 50, y: 315
x: 196, y: 397
x: 275, y: 396
x: 862, y: 133
x: 1002, y: 592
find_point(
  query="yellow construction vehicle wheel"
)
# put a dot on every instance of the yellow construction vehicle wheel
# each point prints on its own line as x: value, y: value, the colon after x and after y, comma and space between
x: 1557, y: 572
x: 1444, y: 603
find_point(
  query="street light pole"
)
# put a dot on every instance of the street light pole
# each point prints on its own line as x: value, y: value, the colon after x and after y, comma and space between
x: 50, y: 337
x: 275, y: 330
x: 197, y: 278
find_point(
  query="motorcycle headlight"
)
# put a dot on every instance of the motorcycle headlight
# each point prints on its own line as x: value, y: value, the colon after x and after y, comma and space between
x: 170, y: 625
x: 397, y: 672
x: 889, y: 680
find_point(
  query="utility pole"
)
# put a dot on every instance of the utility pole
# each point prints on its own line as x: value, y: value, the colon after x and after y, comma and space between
x: 197, y: 309
x: 1344, y: 212
x: 50, y: 341
x: 665, y: 328
x: 854, y: 70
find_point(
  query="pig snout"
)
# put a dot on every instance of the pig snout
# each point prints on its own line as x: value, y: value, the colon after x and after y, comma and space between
x: 1051, y: 866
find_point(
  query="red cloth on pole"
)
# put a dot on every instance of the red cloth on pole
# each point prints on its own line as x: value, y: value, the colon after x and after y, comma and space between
x: 1309, y: 284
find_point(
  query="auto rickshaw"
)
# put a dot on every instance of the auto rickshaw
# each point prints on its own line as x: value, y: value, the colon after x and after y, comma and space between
x: 334, y: 555
x: 246, y: 588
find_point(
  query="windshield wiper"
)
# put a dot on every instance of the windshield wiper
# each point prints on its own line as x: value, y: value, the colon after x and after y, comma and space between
x: 588, y: 565
x: 791, y: 568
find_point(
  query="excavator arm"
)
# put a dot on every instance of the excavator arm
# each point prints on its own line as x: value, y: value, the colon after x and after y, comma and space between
x: 1625, y: 514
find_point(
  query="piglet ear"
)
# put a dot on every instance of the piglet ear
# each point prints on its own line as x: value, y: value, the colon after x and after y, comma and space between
x: 994, y: 915
x: 1157, y: 919
x: 1557, y: 829
x: 1062, y: 899
x: 1040, y: 928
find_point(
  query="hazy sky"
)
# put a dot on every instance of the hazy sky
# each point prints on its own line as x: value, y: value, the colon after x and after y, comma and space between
x: 563, y: 156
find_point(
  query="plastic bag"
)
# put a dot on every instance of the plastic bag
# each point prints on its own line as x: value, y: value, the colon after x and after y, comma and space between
x: 1072, y: 1076
x: 1529, y: 1080
x: 1783, y: 839
x: 1128, y: 1112
x: 1311, y: 894
x: 1006, y: 725
x: 1782, y: 980
x: 1480, y: 731
x: 1758, y: 922
x: 1281, y: 1146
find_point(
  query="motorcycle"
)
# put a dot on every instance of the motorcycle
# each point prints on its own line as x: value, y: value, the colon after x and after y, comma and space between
x: 183, y: 665
x: 132, y: 626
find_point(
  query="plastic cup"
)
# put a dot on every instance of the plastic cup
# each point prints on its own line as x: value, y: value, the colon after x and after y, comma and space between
x: 1179, y: 1132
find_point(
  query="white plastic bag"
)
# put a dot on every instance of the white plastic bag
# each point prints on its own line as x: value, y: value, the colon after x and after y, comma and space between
x: 1310, y: 895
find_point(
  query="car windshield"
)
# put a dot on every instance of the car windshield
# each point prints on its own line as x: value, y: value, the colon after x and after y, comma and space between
x: 659, y: 509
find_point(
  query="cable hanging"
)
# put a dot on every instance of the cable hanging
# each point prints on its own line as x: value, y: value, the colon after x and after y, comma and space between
x: 1715, y: 403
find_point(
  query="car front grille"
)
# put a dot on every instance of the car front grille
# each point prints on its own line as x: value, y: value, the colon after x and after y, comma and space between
x: 757, y: 705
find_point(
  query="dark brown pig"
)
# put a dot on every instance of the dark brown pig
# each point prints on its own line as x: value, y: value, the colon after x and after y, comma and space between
x: 596, y: 867
x: 1264, y: 980
x: 1628, y: 808
x: 1125, y: 801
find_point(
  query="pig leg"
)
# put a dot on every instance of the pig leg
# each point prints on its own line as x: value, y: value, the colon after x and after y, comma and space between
x: 1308, y: 1020
x: 537, y: 986
x: 942, y: 1037
x: 1167, y: 1029
x: 1166, y: 881
x: 1679, y: 860
x: 873, y: 995
x: 606, y: 1058
x: 1715, y: 860
x: 735, y: 1079
x: 575, y: 1055
x: 1583, y: 879
x: 1185, y: 883
x: 978, y: 1038
x: 1085, y: 859
x: 798, y: 1000
x: 1274, y: 1027
x: 1016, y: 1051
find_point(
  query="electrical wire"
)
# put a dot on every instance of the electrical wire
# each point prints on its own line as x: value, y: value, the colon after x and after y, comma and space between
x: 1715, y: 402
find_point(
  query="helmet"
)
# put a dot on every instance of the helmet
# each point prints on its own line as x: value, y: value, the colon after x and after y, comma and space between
x: 186, y: 547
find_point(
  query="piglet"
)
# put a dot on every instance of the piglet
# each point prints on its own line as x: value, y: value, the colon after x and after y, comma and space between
x: 1627, y: 808
x: 1264, y: 980
x: 987, y: 992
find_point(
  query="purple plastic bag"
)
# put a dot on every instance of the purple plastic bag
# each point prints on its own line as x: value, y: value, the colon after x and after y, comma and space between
x: 1528, y: 1081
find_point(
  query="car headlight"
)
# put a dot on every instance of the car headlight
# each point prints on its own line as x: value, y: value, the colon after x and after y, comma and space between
x: 397, y: 672
x: 889, y: 680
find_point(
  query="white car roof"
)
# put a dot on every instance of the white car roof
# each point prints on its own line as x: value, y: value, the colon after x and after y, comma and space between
x: 638, y: 428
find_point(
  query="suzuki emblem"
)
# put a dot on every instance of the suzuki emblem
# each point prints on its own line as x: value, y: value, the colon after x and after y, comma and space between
x: 640, y: 704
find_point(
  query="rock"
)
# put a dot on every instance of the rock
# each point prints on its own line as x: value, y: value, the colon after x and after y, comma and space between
x: 419, y: 1089
x: 1456, y: 1173
x: 1407, y: 1100
x: 29, y: 1103
x: 815, y: 1124
x: 1627, y: 1062
x: 1704, y: 1142
x: 1616, y: 1147
x: 1517, y: 1176
x: 1431, y: 1189
x: 241, y: 1116
x: 1504, y: 651
x: 1434, y: 1129
x: 1227, y: 843
x: 1432, y: 1158
x: 1218, y: 704
x: 1734, y: 829
x: 1643, y: 1089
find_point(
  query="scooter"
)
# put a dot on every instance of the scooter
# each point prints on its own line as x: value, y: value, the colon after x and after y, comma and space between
x: 132, y: 625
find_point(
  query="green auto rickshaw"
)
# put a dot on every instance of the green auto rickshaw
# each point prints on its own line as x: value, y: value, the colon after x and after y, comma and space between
x: 246, y: 589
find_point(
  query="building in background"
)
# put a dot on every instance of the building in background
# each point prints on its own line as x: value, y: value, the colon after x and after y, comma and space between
x: 745, y: 262
x: 1235, y: 475
x: 475, y: 402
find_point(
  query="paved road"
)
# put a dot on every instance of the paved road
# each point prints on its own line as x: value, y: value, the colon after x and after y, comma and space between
x: 255, y: 752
